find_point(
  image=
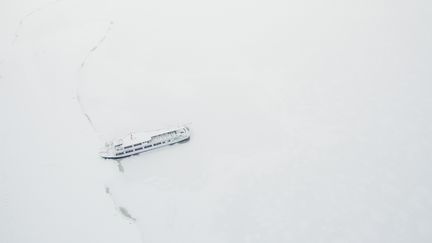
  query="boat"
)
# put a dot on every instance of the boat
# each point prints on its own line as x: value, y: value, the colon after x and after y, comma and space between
x: 136, y: 143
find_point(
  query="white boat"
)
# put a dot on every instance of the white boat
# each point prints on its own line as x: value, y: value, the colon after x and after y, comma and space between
x: 136, y: 143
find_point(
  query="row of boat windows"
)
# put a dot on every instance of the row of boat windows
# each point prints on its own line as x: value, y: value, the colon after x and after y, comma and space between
x: 130, y: 146
x: 137, y: 149
x: 139, y: 144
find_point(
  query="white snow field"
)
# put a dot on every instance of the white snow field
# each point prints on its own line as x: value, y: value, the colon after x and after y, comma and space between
x: 311, y: 121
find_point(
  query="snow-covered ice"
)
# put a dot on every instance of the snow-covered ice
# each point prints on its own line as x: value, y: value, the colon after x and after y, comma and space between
x: 310, y: 121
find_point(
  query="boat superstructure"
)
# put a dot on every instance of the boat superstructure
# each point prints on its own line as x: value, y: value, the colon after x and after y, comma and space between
x: 136, y: 143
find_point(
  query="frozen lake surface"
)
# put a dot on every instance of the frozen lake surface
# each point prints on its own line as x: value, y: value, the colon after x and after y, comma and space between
x: 310, y: 121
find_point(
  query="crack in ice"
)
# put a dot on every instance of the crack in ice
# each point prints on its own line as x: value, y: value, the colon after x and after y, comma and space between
x: 32, y: 12
x: 123, y: 210
x: 99, y: 43
x: 119, y: 165
x: 78, y: 96
x: 126, y: 213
